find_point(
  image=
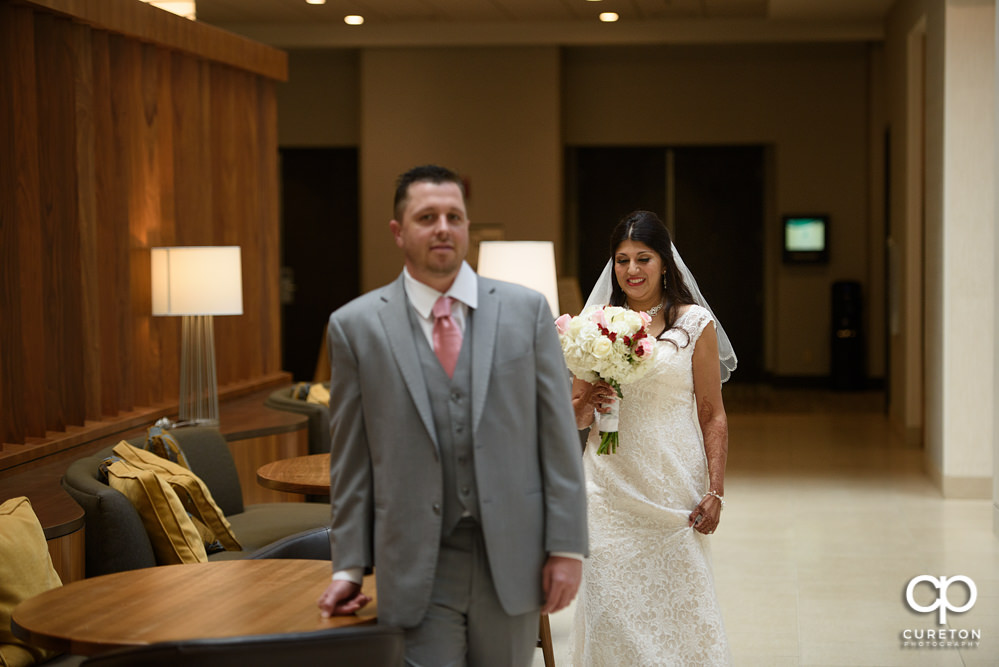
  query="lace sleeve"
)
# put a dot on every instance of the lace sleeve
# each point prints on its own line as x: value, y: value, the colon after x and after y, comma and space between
x: 694, y: 321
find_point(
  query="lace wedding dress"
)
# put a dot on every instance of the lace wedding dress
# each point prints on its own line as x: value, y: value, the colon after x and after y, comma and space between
x: 648, y: 594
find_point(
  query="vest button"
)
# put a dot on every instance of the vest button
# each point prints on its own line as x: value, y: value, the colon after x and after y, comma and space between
x: 464, y: 490
x: 437, y: 508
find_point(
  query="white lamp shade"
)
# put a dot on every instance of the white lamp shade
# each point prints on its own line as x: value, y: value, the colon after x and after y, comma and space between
x: 197, y: 280
x: 528, y: 263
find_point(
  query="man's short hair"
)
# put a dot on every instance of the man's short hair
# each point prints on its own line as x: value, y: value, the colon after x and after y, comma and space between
x: 430, y: 173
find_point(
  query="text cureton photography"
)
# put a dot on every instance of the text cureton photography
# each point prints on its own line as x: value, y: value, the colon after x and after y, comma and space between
x: 925, y: 594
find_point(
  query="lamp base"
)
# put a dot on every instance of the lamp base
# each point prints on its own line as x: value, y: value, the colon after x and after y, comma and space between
x: 199, y: 395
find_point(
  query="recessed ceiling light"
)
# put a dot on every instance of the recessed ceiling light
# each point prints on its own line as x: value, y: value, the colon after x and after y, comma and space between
x: 353, y: 19
x: 316, y: 2
x: 609, y: 17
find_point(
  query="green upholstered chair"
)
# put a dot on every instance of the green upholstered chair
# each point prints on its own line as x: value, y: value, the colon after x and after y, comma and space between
x: 319, y: 420
x: 116, y: 539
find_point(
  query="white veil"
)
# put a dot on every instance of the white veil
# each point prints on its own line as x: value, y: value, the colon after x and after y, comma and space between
x: 601, y: 294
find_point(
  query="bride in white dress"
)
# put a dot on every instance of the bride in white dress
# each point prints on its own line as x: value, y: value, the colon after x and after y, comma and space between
x: 648, y: 595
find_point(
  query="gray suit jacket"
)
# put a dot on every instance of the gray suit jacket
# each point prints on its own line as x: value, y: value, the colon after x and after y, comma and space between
x: 385, y: 479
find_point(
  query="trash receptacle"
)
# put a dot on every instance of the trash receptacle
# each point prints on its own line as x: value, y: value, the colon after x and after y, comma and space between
x: 847, y: 342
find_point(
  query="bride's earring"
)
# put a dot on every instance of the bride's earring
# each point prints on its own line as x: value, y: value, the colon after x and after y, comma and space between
x: 665, y: 286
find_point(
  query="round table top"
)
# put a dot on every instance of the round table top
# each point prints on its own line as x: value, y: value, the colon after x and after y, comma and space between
x: 228, y: 598
x: 299, y: 474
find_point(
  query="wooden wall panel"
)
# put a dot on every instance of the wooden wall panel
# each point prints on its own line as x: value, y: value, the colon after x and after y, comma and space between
x: 110, y: 200
x: 60, y: 258
x: 269, y: 207
x: 121, y: 144
x: 86, y: 174
x: 11, y: 401
x: 124, y: 55
x: 23, y: 347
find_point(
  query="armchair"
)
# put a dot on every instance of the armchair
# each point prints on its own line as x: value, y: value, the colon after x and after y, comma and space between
x: 116, y: 539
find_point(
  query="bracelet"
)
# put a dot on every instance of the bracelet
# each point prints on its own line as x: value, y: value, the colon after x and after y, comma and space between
x: 714, y: 493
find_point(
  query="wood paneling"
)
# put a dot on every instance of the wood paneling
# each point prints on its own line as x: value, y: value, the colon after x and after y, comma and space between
x: 127, y: 128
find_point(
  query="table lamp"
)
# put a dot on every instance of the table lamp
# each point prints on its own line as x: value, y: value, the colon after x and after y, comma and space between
x: 197, y: 283
x: 528, y: 263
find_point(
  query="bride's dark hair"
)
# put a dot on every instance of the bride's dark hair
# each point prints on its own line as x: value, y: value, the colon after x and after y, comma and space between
x: 646, y: 227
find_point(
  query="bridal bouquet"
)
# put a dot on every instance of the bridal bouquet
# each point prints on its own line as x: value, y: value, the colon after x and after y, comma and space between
x: 607, y: 343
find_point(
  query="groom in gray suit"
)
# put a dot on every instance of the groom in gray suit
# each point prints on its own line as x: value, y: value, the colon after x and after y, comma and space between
x: 456, y: 467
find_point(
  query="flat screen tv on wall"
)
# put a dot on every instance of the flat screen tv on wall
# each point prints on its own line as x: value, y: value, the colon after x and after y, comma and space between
x: 806, y: 239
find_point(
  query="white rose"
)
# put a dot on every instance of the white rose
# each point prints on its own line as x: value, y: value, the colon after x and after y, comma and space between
x: 627, y: 322
x: 600, y: 347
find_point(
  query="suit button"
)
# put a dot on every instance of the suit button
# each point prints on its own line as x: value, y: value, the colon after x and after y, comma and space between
x: 437, y: 508
x: 464, y: 490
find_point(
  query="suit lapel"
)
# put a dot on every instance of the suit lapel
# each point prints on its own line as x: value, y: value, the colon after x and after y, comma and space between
x: 483, y: 343
x: 395, y: 319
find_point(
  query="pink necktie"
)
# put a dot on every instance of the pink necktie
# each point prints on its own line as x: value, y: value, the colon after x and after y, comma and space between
x: 447, y: 335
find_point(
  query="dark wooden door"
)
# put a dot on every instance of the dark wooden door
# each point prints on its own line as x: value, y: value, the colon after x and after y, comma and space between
x: 711, y: 197
x: 320, y: 253
x: 719, y: 232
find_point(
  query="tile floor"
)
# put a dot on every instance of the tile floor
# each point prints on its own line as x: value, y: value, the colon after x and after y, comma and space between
x: 828, y: 518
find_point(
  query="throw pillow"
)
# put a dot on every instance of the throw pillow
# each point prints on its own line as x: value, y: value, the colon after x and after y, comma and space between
x: 25, y: 571
x: 163, y: 444
x: 194, y: 495
x: 318, y: 394
x: 171, y: 532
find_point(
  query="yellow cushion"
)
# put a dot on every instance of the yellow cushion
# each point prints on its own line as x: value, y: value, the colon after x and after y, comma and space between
x: 170, y: 529
x: 318, y: 394
x: 25, y: 571
x: 194, y: 495
x: 163, y: 444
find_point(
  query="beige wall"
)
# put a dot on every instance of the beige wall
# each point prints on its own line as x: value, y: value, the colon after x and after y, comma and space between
x: 319, y: 102
x: 491, y: 114
x: 948, y: 272
x: 809, y: 103
x: 966, y: 314
x: 501, y: 116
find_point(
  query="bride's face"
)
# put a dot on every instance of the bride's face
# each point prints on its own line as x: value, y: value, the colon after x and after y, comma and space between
x: 639, y: 271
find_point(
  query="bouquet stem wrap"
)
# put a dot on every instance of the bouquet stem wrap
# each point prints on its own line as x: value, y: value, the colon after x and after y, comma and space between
x: 607, y: 423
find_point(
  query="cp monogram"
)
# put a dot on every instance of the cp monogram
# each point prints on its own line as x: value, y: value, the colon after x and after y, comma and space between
x: 941, y: 603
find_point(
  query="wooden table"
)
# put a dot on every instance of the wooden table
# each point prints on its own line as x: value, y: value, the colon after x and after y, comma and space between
x: 299, y: 474
x: 175, y: 602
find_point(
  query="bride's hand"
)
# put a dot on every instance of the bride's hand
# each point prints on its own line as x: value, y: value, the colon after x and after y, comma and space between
x: 707, y: 514
x: 588, y: 397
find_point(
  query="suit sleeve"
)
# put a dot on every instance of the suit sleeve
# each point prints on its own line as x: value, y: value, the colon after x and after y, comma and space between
x: 351, y: 492
x: 558, y: 444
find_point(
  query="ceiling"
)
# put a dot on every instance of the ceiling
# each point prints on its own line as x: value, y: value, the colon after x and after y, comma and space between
x: 294, y: 23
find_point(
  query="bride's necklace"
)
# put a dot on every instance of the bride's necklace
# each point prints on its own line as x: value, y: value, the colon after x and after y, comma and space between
x: 654, y: 310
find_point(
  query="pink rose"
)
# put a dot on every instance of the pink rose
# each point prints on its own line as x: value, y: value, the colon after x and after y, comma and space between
x: 645, y: 317
x: 644, y: 348
x: 562, y: 324
x: 599, y: 318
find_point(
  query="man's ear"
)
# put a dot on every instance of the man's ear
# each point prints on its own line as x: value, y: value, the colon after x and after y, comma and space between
x: 396, y: 228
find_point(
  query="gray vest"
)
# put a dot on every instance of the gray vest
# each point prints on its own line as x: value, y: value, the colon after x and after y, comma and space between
x: 451, y: 403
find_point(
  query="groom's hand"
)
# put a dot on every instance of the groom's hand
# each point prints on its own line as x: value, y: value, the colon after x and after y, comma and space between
x: 560, y: 580
x: 342, y: 598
